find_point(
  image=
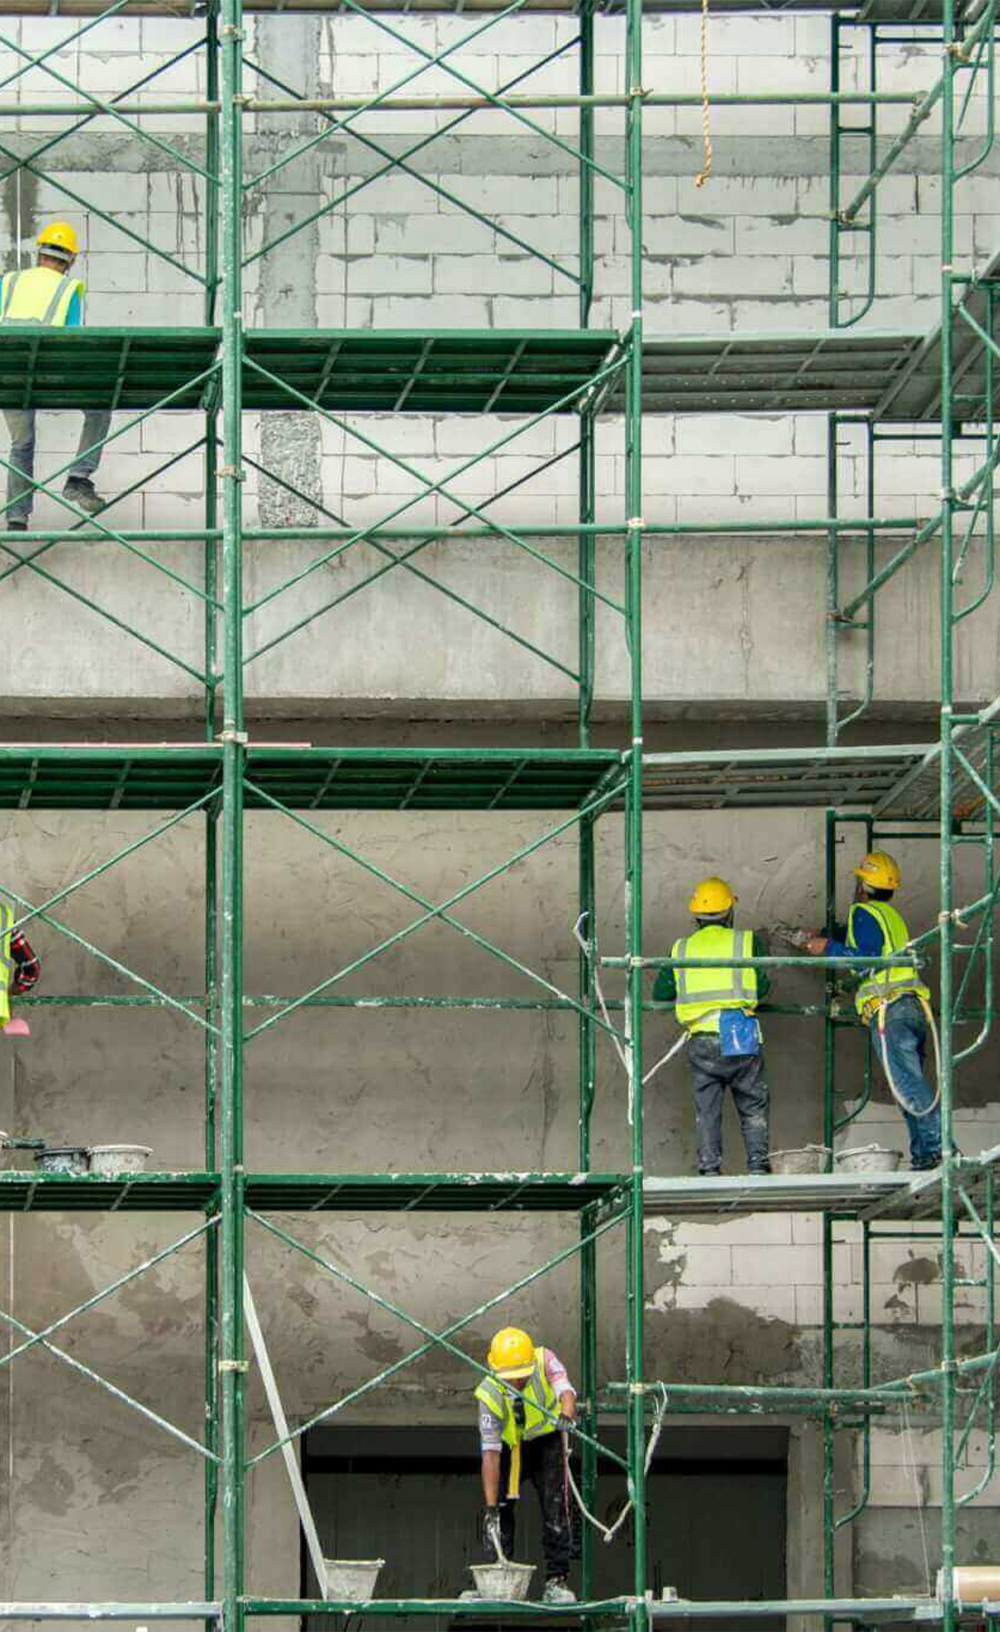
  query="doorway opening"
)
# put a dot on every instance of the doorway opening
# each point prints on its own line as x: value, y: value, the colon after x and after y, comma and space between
x: 717, y: 1514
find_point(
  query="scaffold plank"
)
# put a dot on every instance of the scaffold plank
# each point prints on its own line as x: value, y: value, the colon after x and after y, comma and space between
x: 449, y: 371
x: 848, y: 1195
x: 771, y: 373
x: 169, y: 778
x: 927, y: 11
x: 508, y: 371
x: 430, y: 1192
x: 793, y: 778
x: 33, y: 1192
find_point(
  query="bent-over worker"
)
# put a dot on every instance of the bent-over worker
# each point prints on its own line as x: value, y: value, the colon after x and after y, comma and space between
x: 518, y: 1440
x: 892, y: 1002
x: 47, y: 296
x: 718, y: 1008
x: 19, y: 967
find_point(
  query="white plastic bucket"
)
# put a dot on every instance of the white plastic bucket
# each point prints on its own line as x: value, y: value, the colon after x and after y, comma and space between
x: 114, y: 1161
x: 351, y: 1580
x: 868, y: 1159
x: 63, y: 1159
x: 502, y: 1583
x: 807, y: 1159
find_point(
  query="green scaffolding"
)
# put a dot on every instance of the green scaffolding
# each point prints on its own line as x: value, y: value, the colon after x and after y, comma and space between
x: 943, y: 790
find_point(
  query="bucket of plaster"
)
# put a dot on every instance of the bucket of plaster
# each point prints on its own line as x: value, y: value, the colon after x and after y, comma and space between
x: 115, y: 1161
x: 808, y: 1159
x: 502, y: 1583
x: 63, y: 1159
x: 351, y: 1580
x: 868, y: 1159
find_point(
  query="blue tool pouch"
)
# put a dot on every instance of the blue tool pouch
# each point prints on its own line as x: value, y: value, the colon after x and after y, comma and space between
x: 739, y: 1033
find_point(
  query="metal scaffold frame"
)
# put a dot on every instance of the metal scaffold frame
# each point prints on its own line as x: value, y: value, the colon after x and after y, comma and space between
x: 945, y: 791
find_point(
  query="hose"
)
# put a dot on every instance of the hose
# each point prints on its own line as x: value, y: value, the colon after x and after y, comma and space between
x: 897, y: 1096
x: 609, y: 1532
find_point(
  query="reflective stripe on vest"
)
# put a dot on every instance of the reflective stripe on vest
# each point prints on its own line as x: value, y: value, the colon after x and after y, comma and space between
x: 701, y: 993
x: 6, y: 961
x: 499, y: 1397
x: 38, y: 298
x: 885, y: 985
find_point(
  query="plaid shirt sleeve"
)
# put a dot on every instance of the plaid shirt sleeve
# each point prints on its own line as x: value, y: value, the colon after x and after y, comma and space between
x: 28, y: 967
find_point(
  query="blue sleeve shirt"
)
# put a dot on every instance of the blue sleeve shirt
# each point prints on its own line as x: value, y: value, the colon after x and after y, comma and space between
x: 868, y: 933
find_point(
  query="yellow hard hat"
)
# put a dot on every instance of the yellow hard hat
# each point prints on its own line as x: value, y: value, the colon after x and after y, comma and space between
x: 512, y: 1353
x: 711, y: 897
x: 59, y: 239
x: 879, y: 871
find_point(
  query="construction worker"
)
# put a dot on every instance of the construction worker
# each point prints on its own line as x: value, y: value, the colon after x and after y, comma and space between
x: 48, y: 296
x: 718, y: 1009
x: 892, y: 1002
x: 19, y: 970
x: 517, y: 1439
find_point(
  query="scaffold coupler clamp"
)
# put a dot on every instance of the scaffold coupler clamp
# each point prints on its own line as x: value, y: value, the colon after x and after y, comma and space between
x: 230, y: 734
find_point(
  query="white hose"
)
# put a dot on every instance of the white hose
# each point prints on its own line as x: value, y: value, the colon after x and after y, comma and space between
x: 610, y: 1531
x: 589, y: 950
x: 897, y: 1096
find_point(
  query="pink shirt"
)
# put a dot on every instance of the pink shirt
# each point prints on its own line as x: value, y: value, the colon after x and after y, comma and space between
x: 491, y: 1426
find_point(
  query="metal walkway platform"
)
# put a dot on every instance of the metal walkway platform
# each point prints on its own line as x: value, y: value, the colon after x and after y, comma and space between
x: 29, y: 1191
x: 904, y: 11
x: 848, y: 1195
x: 512, y: 371
x: 160, y: 777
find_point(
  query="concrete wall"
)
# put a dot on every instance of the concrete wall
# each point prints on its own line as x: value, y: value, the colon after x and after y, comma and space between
x: 96, y: 1502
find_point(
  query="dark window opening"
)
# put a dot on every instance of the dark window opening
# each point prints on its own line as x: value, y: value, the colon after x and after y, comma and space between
x: 716, y: 1515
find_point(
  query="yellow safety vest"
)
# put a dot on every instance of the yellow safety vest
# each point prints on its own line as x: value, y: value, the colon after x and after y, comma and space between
x: 884, y: 985
x: 6, y: 961
x: 499, y: 1397
x: 701, y: 993
x: 38, y: 298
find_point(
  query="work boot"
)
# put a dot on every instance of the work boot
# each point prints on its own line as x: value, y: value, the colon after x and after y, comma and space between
x: 709, y: 1172
x: 557, y: 1592
x: 81, y: 491
x: 468, y: 1595
x: 16, y: 526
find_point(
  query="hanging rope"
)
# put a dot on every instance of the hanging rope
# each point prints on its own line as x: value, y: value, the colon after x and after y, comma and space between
x: 610, y: 1531
x: 917, y: 1492
x: 706, y: 127
x: 589, y: 950
x: 897, y: 1096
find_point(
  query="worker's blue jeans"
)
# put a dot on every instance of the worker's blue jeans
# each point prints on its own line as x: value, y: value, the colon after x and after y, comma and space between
x: 21, y: 425
x: 712, y: 1072
x: 906, y: 1045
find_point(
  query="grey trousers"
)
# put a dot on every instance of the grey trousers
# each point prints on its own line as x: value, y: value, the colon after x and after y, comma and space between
x: 21, y: 425
x: 712, y: 1072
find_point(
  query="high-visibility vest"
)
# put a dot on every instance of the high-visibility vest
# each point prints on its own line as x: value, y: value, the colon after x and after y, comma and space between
x: 6, y: 961
x: 884, y: 985
x: 38, y: 298
x: 701, y: 993
x: 500, y: 1397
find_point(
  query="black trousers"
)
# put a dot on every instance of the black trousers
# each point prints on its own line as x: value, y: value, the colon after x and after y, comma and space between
x: 712, y: 1072
x: 542, y: 1466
